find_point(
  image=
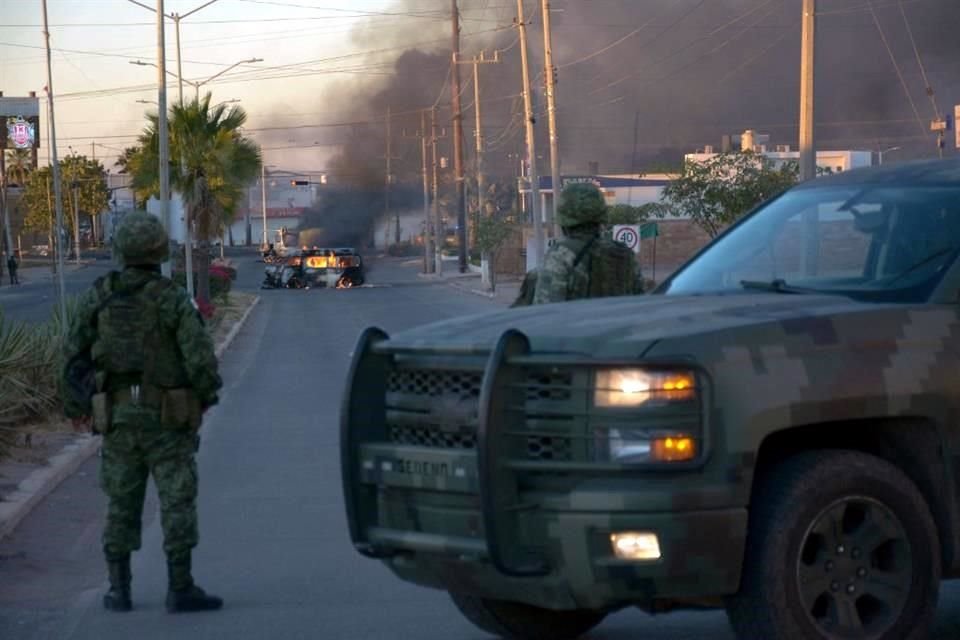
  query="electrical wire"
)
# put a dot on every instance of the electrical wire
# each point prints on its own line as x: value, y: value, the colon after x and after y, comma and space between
x: 689, y: 45
x: 893, y: 60
x: 923, y: 71
x: 616, y: 42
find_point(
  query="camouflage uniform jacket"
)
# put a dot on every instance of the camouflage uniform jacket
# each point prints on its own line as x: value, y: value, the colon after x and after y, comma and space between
x: 179, y: 321
x: 583, y: 265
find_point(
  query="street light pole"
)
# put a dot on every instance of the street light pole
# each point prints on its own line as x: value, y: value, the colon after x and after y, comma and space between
x: 162, y: 129
x: 808, y: 149
x: 263, y: 200
x: 55, y: 168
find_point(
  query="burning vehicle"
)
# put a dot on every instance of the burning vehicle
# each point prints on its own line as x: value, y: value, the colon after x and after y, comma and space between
x: 317, y: 267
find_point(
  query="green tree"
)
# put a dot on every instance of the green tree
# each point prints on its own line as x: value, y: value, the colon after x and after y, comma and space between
x: 492, y: 234
x: 83, y: 185
x: 718, y: 191
x: 211, y: 164
x: 19, y: 165
x: 629, y: 214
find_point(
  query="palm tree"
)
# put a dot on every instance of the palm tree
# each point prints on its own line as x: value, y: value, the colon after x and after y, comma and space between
x: 19, y: 166
x: 211, y: 164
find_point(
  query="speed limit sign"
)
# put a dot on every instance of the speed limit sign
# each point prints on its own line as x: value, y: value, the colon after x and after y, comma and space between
x: 628, y: 234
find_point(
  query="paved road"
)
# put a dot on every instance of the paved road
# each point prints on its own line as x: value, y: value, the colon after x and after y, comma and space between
x: 34, y: 300
x: 274, y: 540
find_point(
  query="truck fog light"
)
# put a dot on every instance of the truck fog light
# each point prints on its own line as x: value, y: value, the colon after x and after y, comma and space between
x: 636, y: 545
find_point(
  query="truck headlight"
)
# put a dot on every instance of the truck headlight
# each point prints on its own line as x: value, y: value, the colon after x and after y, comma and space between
x: 628, y: 446
x: 635, y: 387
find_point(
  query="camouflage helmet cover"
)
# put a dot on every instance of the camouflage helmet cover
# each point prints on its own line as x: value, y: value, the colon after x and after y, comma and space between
x: 141, y: 239
x: 581, y: 203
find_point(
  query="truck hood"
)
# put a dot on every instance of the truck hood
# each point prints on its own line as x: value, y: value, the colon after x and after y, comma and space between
x: 627, y: 327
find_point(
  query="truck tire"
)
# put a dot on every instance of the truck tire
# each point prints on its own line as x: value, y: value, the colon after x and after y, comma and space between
x: 516, y: 621
x: 841, y: 545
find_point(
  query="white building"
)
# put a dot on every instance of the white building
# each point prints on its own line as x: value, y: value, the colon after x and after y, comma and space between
x: 828, y: 161
x: 289, y: 195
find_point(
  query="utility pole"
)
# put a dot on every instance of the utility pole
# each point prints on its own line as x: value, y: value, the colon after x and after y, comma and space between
x: 55, y: 168
x: 458, y: 143
x: 438, y: 232
x: 162, y: 131
x: 808, y: 149
x: 550, y: 73
x: 76, y: 217
x: 388, y: 181
x: 427, y: 223
x: 478, y: 139
x: 532, y: 175
x: 263, y: 202
x: 478, y: 127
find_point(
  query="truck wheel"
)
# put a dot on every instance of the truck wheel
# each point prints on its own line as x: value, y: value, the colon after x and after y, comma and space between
x: 841, y: 545
x: 516, y: 621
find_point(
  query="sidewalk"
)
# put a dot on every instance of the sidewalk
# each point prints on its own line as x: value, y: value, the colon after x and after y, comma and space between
x: 48, y: 456
x: 506, y: 290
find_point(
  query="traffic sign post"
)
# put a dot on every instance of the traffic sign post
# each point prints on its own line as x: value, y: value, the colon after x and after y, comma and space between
x: 628, y: 234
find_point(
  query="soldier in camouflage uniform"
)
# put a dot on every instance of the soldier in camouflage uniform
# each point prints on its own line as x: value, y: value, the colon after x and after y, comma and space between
x: 583, y: 264
x: 156, y: 374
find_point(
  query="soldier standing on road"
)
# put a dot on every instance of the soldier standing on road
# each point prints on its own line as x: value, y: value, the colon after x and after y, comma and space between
x: 12, y: 266
x: 583, y: 264
x: 156, y: 374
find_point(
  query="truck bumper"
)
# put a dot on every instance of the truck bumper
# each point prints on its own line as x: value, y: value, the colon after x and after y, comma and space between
x: 701, y: 557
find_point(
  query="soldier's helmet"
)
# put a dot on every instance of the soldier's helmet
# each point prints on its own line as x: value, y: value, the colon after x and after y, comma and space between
x: 141, y: 239
x: 581, y: 203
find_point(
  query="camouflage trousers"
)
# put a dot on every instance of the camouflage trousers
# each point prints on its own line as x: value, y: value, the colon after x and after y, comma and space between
x: 133, y: 451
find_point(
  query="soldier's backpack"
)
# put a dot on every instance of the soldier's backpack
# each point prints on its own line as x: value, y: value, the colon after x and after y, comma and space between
x: 80, y: 382
x: 601, y: 268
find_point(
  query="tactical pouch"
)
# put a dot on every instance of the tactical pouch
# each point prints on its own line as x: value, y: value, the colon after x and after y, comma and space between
x: 101, y: 412
x: 180, y: 409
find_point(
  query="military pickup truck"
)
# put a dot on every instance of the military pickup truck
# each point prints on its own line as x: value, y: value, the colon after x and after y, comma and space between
x: 775, y: 431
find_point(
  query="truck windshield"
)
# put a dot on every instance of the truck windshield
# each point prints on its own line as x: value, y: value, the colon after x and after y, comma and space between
x: 881, y: 243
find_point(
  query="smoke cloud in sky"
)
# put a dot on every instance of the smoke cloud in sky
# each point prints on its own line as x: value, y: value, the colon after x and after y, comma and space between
x: 640, y: 82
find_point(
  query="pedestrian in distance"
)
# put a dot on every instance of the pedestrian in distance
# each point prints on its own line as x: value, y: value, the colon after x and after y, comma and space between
x: 583, y: 264
x: 12, y: 266
x: 156, y: 374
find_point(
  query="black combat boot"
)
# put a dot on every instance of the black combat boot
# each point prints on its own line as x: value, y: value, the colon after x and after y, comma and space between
x: 118, y: 597
x: 184, y: 596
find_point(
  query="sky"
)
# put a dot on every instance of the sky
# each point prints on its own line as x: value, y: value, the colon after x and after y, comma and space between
x: 640, y: 81
x: 308, y: 47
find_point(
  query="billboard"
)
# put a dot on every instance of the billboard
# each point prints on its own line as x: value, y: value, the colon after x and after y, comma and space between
x: 19, y: 123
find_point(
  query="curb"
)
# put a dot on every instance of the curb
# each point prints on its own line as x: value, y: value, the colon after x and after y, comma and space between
x: 236, y: 328
x: 476, y: 292
x: 40, y: 483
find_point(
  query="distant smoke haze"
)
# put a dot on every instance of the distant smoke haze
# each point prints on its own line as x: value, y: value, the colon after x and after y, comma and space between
x: 694, y: 71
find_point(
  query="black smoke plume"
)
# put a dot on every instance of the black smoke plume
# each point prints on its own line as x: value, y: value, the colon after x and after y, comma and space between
x: 640, y: 83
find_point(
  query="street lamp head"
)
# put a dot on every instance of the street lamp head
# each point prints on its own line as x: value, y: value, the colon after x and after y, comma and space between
x: 141, y: 63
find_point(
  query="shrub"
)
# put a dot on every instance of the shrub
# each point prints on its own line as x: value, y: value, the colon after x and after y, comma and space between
x: 220, y: 281
x: 207, y: 310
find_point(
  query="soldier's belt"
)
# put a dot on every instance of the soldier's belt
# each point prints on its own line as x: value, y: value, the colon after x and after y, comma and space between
x: 139, y: 395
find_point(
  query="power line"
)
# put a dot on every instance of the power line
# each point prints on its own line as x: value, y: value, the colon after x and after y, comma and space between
x: 689, y: 45
x: 923, y: 71
x: 616, y: 42
x: 893, y: 59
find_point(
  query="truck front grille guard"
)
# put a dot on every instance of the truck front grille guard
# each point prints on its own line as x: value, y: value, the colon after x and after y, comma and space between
x: 363, y: 418
x: 501, y: 393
